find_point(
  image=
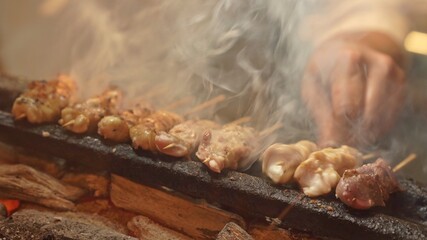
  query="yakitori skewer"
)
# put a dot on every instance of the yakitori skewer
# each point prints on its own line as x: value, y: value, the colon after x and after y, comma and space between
x: 143, y: 135
x: 43, y: 101
x: 371, y: 184
x: 84, y: 117
x: 321, y: 172
x: 212, y: 102
x: 116, y: 127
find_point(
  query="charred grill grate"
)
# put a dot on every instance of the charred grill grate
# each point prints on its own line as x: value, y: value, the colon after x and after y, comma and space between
x: 405, y: 217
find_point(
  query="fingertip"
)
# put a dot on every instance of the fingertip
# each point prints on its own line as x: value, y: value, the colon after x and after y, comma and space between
x: 334, y: 135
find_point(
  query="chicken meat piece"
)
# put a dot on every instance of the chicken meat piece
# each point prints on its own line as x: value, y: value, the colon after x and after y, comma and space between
x: 367, y: 186
x: 143, y: 134
x: 44, y: 100
x: 320, y: 173
x: 227, y: 148
x: 183, y: 138
x: 116, y: 127
x: 84, y: 117
x: 279, y: 161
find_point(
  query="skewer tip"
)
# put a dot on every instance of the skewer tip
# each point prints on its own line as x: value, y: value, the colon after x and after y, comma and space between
x: 411, y: 157
x: 21, y: 116
x: 69, y: 123
x: 213, y: 165
x: 169, y: 146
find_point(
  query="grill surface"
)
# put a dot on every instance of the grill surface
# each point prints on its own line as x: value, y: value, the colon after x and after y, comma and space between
x: 405, y: 217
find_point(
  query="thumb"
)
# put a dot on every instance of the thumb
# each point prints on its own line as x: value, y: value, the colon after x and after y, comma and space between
x: 331, y: 133
x: 330, y: 130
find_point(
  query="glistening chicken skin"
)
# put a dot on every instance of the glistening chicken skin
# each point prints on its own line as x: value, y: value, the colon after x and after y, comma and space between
x: 117, y: 127
x: 183, y: 138
x: 227, y: 148
x: 279, y: 161
x: 84, y: 117
x: 143, y: 134
x: 320, y: 173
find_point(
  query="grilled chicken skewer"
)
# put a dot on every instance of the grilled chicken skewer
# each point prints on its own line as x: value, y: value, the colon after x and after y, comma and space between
x: 367, y: 186
x: 229, y: 147
x: 143, y: 134
x: 320, y: 173
x: 44, y: 100
x: 279, y: 161
x: 183, y: 138
x: 84, y: 117
x: 116, y: 127
x: 151, y: 133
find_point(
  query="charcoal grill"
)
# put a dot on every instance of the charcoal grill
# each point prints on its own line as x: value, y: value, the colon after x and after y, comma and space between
x: 405, y: 216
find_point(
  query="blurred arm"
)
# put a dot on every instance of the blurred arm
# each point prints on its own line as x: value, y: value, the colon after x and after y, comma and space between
x: 354, y: 83
x: 343, y: 17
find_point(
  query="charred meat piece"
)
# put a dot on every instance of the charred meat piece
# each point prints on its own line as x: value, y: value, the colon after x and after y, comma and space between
x: 320, y: 173
x: 84, y: 117
x: 279, y: 161
x: 183, y: 138
x: 44, y: 100
x: 367, y: 186
x: 230, y: 147
x: 116, y: 127
x: 143, y: 134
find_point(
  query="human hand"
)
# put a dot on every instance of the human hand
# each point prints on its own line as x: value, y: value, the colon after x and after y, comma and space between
x: 354, y: 86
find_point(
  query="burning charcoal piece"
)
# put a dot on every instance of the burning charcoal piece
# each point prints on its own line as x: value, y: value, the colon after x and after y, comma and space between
x: 367, y: 186
x: 3, y: 210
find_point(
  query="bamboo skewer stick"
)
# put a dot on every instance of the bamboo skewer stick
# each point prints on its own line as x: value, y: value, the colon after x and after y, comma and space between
x: 205, y: 105
x: 178, y: 103
x: 22, y: 116
x: 411, y: 157
x: 155, y: 91
x: 369, y: 156
x: 270, y: 130
x: 69, y: 123
x: 283, y: 214
x: 240, y: 121
x: 169, y: 146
